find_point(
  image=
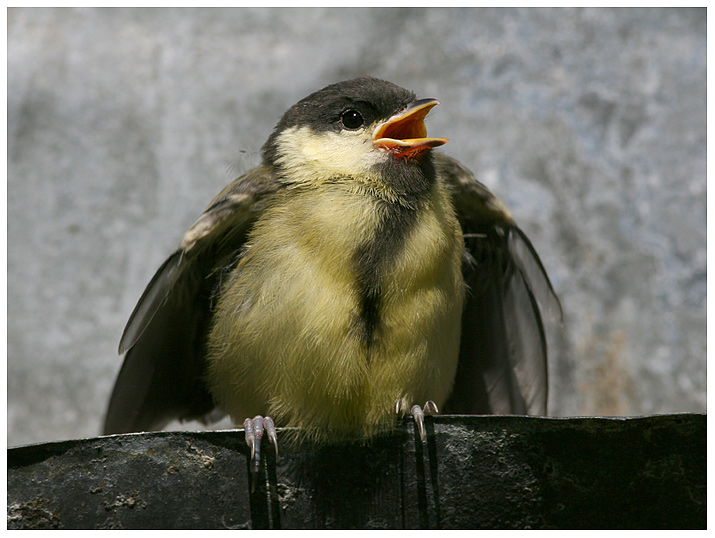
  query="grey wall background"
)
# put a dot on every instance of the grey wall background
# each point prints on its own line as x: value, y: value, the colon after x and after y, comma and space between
x: 589, y: 124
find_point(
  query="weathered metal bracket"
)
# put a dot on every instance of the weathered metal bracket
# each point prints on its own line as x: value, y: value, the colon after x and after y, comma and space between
x: 473, y: 472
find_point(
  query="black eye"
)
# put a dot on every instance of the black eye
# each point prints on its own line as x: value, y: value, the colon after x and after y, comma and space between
x: 351, y: 119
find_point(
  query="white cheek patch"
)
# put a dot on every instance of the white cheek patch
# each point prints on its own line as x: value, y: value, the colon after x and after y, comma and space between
x: 312, y: 157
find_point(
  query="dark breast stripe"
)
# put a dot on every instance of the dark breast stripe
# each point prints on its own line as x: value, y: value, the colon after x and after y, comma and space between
x: 414, y: 179
x: 373, y: 258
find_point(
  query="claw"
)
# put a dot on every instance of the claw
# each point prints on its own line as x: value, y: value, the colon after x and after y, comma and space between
x: 255, y: 428
x: 419, y: 413
x: 271, y: 432
x: 256, y: 453
x: 250, y: 436
x: 419, y: 417
x: 254, y: 434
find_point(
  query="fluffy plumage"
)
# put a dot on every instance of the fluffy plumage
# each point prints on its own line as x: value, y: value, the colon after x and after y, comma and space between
x: 334, y: 280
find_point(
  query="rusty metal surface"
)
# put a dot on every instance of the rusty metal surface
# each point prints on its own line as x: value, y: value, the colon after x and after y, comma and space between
x: 473, y: 472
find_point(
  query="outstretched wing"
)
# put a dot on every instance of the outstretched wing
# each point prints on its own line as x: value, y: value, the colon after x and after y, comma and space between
x: 502, y: 363
x: 162, y: 375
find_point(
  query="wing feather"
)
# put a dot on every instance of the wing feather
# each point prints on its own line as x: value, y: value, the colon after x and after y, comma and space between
x: 162, y: 375
x: 503, y: 353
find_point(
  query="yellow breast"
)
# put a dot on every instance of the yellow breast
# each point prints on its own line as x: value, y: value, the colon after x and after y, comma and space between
x: 286, y: 341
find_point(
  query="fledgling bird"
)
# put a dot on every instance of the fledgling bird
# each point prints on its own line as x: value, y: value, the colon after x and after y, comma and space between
x: 352, y: 274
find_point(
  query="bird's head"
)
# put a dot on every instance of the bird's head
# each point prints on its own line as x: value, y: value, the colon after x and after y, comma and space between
x: 365, y: 130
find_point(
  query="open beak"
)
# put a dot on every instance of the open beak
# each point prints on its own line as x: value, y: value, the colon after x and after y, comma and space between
x: 405, y: 134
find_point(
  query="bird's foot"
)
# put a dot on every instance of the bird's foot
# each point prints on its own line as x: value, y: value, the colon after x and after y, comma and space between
x: 417, y: 412
x: 255, y: 428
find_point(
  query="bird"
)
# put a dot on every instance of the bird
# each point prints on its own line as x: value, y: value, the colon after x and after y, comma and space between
x: 355, y: 276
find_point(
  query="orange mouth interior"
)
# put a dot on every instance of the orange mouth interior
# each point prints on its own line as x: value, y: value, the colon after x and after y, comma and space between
x: 405, y: 133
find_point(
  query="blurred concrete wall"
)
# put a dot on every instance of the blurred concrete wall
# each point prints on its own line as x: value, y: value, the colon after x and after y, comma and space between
x: 589, y: 124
